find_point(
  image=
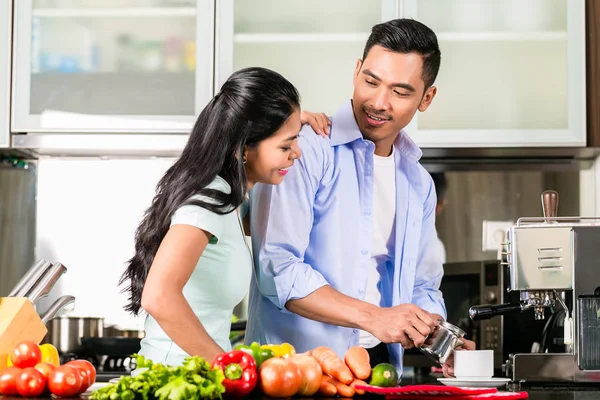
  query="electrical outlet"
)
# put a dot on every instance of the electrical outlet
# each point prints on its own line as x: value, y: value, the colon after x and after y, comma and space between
x: 494, y: 233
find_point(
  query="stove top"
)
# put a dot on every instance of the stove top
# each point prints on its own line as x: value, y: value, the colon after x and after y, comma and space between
x: 107, y: 367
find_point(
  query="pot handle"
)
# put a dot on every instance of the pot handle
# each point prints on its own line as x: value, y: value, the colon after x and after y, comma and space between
x: 58, y: 305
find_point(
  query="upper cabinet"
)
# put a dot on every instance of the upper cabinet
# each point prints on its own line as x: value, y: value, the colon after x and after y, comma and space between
x: 512, y: 73
x: 111, y: 65
x: 313, y: 43
x: 5, y: 45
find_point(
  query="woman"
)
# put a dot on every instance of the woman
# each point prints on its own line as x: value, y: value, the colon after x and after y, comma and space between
x: 192, y: 265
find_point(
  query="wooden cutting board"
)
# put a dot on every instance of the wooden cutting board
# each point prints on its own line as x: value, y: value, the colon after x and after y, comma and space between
x: 19, y: 321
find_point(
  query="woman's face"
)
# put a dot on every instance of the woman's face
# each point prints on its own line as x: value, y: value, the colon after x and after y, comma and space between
x: 270, y: 160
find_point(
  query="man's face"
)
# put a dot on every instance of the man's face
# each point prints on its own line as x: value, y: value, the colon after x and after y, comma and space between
x: 388, y: 91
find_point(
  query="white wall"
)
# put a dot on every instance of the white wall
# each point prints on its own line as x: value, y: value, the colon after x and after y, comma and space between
x: 87, y: 212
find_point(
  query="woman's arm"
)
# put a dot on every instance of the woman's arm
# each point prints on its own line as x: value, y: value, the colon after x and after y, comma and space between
x: 162, y: 296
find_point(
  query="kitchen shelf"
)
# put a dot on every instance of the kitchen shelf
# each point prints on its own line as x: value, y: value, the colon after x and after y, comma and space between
x: 117, y: 93
x: 502, y: 36
x: 299, y: 37
x: 116, y: 12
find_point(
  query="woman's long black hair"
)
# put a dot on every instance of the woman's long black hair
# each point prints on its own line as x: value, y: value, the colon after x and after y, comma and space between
x: 251, y: 106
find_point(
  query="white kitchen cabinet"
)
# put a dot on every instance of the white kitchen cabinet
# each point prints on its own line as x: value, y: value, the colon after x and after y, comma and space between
x: 313, y: 43
x: 512, y: 73
x: 5, y: 44
x: 111, y: 66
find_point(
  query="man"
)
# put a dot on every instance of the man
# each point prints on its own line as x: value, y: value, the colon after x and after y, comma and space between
x: 340, y: 246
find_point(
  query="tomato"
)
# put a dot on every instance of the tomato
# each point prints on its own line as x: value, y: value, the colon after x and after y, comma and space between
x: 30, y: 383
x: 45, y: 368
x: 87, y: 372
x: 65, y: 381
x: 311, y: 374
x: 279, y: 377
x: 26, y: 354
x: 8, y: 381
x: 88, y: 367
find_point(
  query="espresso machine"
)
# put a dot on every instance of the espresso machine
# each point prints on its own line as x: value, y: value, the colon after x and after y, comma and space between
x: 554, y: 263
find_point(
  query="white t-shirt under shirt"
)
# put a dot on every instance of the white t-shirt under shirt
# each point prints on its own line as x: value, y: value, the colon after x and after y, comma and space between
x: 384, y: 217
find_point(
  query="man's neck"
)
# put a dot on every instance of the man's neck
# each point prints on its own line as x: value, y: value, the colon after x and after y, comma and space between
x: 383, y: 148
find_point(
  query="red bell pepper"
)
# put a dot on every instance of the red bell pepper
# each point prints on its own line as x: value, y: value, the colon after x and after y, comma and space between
x: 240, y: 373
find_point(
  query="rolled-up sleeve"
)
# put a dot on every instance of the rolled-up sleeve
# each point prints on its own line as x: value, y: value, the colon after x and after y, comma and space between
x: 430, y: 270
x: 282, y: 217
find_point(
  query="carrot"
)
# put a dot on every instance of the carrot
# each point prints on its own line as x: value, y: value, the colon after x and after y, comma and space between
x: 357, y: 359
x: 327, y: 388
x: 358, y: 382
x: 342, y: 390
x: 332, y: 365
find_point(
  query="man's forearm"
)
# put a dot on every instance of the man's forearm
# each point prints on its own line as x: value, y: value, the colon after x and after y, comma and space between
x: 330, y: 306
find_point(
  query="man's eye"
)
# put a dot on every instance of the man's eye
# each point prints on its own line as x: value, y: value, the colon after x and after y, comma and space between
x: 401, y: 94
x: 371, y: 83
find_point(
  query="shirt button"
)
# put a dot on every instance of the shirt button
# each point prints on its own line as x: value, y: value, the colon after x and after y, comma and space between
x: 367, y: 172
x: 355, y: 330
x: 367, y: 213
x: 364, y: 252
x: 361, y: 291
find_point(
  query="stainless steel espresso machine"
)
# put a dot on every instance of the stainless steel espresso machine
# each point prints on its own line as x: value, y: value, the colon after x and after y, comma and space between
x: 555, y: 263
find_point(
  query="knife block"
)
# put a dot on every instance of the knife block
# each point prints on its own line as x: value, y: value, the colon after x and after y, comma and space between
x: 3, y: 361
x: 19, y: 321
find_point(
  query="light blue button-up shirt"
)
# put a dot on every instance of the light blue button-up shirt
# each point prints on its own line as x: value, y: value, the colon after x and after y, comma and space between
x: 315, y: 229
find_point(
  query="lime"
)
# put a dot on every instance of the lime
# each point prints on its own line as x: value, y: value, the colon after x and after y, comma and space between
x: 384, y: 375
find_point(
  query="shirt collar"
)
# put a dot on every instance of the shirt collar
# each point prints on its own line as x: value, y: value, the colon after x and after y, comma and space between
x: 344, y: 129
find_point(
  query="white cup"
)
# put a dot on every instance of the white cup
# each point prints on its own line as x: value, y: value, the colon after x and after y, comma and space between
x: 474, y: 364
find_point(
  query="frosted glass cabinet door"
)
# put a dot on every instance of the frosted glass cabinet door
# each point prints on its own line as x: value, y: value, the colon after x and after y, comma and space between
x: 512, y: 73
x: 313, y: 43
x: 112, y: 65
x: 5, y: 35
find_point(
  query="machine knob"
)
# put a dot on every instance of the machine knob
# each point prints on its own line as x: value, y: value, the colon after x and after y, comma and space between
x: 550, y: 204
x: 490, y: 297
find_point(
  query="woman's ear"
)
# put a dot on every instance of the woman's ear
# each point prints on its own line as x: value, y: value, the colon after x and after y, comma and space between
x: 245, y: 156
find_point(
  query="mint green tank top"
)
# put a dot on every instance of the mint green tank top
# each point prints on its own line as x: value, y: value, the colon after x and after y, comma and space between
x: 219, y: 282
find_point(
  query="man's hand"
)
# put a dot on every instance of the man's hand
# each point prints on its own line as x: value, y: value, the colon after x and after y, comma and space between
x: 448, y: 367
x: 406, y: 324
x: 318, y: 121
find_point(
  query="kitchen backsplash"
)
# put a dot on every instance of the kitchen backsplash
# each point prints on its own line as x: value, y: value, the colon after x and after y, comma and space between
x: 473, y: 197
x: 88, y: 210
x: 87, y: 213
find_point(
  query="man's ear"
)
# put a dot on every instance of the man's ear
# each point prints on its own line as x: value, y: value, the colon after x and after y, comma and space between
x: 427, y: 98
x: 356, y: 70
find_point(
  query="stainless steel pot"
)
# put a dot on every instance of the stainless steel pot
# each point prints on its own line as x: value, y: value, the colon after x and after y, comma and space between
x: 65, y: 333
x: 440, y: 344
x: 115, y: 331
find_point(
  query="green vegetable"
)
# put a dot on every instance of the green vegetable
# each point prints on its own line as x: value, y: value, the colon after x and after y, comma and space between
x: 194, y: 379
x: 259, y: 354
x: 384, y: 375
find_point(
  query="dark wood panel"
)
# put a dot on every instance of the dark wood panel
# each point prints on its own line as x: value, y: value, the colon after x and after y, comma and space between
x: 17, y: 224
x: 593, y: 71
